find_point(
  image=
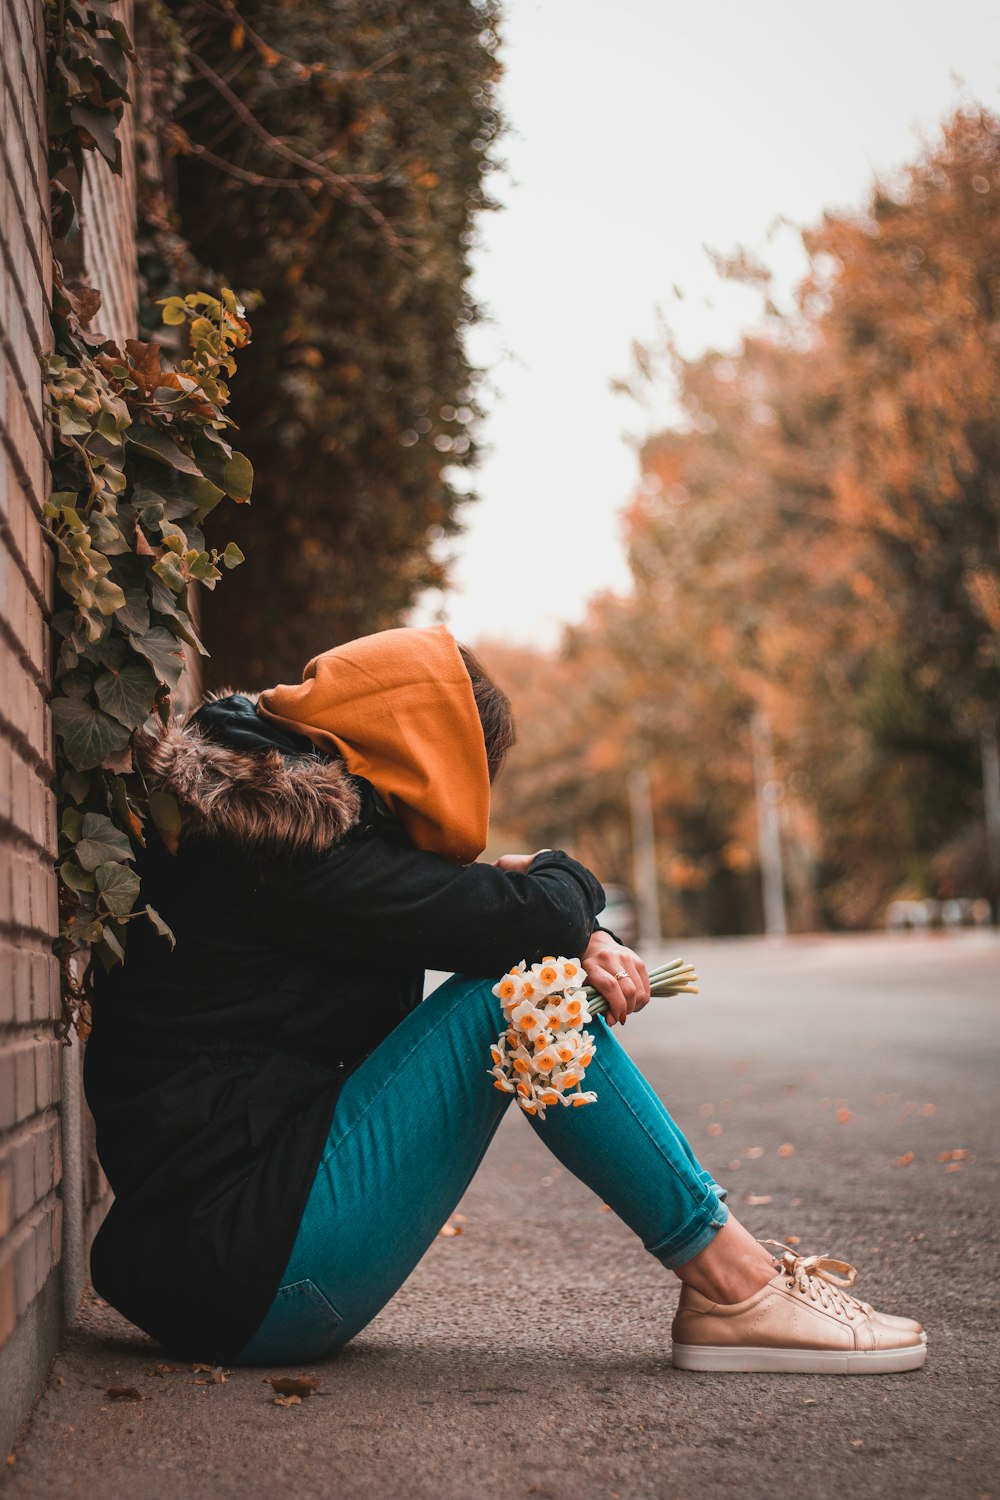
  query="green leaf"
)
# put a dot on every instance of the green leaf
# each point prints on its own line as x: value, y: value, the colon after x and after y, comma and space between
x: 238, y: 477
x: 118, y: 885
x: 163, y: 651
x: 107, y: 537
x: 109, y: 949
x: 168, y: 568
x: 160, y: 445
x: 164, y: 811
x: 71, y: 824
x: 101, y: 842
x: 134, y: 613
x: 72, y: 423
x: 127, y: 693
x: 75, y: 784
x: 233, y: 556
x: 109, y: 596
x: 102, y: 126
x: 160, y: 925
x: 88, y: 735
x: 174, y: 310
x: 71, y: 874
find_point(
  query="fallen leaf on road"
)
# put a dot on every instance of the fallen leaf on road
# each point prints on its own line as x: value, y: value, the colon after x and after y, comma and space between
x: 202, y: 1369
x: 928, y: 1109
x: 162, y: 1369
x: 792, y: 1239
x: 956, y: 1156
x: 288, y: 1400
x: 448, y: 1231
x: 904, y: 1160
x: 843, y: 1115
x: 123, y: 1393
x: 605, y: 1208
x: 293, y: 1385
x: 787, y: 1149
x: 714, y: 1129
x: 757, y: 1200
x: 752, y: 1152
x: 857, y: 1442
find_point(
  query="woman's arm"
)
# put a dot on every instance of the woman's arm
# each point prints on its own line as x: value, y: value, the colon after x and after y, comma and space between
x: 409, y: 907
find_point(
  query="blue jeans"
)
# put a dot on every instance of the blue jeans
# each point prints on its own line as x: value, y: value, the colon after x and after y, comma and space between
x: 411, y: 1126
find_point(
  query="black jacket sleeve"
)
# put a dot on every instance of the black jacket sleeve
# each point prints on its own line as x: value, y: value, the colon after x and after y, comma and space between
x: 410, y: 907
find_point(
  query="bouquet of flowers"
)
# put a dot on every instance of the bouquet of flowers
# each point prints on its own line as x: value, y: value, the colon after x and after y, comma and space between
x: 543, y: 1052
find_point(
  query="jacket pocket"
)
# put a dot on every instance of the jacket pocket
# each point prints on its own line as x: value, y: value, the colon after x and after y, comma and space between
x: 300, y: 1325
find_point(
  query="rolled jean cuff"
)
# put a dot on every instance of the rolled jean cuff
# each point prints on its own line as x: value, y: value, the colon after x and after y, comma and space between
x: 693, y: 1235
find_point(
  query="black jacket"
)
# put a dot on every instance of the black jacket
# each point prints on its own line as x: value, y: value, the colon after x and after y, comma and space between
x: 304, y: 920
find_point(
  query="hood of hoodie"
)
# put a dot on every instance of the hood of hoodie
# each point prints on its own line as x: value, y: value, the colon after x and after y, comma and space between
x: 242, y: 780
x: 399, y: 707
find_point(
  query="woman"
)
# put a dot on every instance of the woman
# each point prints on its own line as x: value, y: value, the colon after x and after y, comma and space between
x: 286, y: 1126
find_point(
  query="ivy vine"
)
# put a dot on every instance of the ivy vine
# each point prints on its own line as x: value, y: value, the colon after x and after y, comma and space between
x: 141, y: 457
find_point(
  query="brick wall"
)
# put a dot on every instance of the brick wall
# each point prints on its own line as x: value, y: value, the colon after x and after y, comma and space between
x: 50, y: 1189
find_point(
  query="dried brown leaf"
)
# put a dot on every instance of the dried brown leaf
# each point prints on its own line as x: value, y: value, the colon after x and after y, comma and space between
x: 288, y: 1400
x: 293, y: 1385
x: 757, y: 1200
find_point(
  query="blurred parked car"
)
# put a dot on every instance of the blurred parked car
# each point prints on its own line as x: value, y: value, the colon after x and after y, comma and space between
x: 620, y: 915
x: 957, y: 912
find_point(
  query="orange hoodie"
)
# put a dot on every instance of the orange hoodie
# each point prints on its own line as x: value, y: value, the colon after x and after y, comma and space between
x: 399, y: 707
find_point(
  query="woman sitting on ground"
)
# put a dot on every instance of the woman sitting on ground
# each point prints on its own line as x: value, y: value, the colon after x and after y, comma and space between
x: 286, y: 1124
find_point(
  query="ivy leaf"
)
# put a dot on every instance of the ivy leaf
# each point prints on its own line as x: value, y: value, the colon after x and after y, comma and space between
x: 127, y: 693
x: 163, y: 651
x: 77, y: 879
x: 233, y: 556
x: 160, y: 925
x: 101, y: 125
x: 165, y: 812
x: 109, y: 596
x: 134, y: 613
x: 239, y: 478
x: 118, y: 885
x: 75, y: 785
x: 168, y: 567
x: 110, y: 949
x: 88, y: 735
x: 101, y: 842
x: 160, y: 445
x: 71, y: 824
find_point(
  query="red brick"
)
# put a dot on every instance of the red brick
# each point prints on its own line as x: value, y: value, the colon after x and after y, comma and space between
x: 8, y: 1300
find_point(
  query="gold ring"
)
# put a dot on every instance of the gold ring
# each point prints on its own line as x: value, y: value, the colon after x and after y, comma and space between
x: 622, y: 974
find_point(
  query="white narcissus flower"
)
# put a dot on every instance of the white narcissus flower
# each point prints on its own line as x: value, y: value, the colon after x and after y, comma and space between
x: 546, y: 976
x: 541, y: 1055
x: 527, y: 1018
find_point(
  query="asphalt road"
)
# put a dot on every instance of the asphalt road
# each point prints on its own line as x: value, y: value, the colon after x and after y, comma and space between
x: 529, y: 1354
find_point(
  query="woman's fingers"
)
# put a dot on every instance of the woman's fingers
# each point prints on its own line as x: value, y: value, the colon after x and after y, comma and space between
x: 614, y: 974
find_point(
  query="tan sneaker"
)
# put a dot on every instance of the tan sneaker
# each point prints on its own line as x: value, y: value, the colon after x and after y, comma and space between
x: 803, y: 1321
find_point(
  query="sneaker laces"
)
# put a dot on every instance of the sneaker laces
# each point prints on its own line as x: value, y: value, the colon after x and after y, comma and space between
x: 821, y: 1278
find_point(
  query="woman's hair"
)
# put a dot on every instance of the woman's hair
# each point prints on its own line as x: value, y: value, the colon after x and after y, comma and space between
x: 494, y: 712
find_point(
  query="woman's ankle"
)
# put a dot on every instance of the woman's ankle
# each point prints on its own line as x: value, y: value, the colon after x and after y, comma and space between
x: 732, y: 1267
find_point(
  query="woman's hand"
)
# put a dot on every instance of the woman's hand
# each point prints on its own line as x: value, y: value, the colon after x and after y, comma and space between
x: 518, y: 863
x: 618, y: 974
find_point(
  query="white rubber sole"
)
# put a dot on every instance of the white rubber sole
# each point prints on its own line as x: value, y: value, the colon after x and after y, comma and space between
x: 709, y: 1358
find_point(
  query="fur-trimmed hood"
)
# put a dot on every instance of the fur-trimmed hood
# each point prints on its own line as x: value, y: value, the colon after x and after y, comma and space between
x: 253, y: 799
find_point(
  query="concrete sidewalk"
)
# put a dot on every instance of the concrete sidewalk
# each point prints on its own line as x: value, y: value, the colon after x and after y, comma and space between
x: 529, y: 1354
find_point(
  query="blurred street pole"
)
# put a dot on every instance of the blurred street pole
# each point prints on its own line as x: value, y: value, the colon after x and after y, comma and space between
x: 991, y: 802
x: 768, y: 792
x: 644, y: 855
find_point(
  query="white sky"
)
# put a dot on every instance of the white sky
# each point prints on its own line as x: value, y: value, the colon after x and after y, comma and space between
x: 640, y: 131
